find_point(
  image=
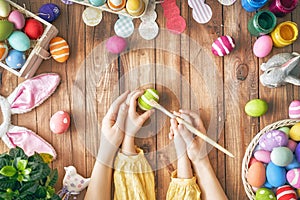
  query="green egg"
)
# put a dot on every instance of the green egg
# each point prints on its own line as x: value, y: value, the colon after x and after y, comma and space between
x: 256, y: 107
x: 6, y: 28
x: 286, y: 130
x: 147, y: 96
x: 4, y: 8
x: 264, y: 194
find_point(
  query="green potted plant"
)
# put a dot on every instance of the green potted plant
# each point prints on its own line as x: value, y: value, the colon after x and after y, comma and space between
x: 23, y: 177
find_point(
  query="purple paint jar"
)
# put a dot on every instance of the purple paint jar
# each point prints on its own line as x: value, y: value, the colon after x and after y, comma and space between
x: 282, y: 7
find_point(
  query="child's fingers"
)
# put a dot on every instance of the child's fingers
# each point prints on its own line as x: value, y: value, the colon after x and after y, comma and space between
x: 121, y: 118
x: 146, y: 115
x: 185, y: 134
x: 133, y: 99
x: 196, y: 120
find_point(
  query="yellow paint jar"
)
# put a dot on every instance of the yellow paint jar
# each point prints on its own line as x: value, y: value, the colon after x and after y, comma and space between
x: 284, y: 34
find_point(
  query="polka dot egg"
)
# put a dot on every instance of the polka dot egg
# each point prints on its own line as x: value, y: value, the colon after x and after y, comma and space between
x: 15, y: 59
x: 59, y: 49
x: 223, y: 45
x: 60, y: 122
x: 3, y: 51
x: 264, y: 194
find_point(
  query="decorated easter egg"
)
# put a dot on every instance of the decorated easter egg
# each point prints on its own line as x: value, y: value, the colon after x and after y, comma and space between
x: 293, y: 177
x: 264, y: 194
x: 59, y: 49
x: 143, y: 101
x: 292, y: 145
x: 92, y: 16
x: 15, y: 59
x: 272, y: 139
x: 97, y: 2
x: 116, y: 44
x: 33, y: 29
x: 256, y: 107
x: 263, y: 156
x: 282, y: 156
x: 276, y: 175
x: 223, y: 45
x: 49, y: 12
x: 4, y: 8
x: 263, y: 46
x: 294, y: 109
x: 286, y: 192
x: 19, y: 41
x: 60, y: 122
x: 297, y: 152
x: 135, y: 7
x: 6, y: 28
x: 17, y: 19
x: 3, y: 51
x: 256, y: 175
x: 285, y: 129
x: 295, y: 132
x: 116, y: 5
x: 294, y: 164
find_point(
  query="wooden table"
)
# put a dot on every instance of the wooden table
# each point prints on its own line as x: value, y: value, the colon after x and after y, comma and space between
x: 183, y: 70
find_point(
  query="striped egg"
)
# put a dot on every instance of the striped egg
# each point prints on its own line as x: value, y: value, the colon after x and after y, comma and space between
x: 293, y: 177
x: 144, y: 100
x: 286, y: 192
x: 294, y: 109
x: 59, y: 49
x: 223, y: 45
x: 116, y: 5
x: 3, y: 51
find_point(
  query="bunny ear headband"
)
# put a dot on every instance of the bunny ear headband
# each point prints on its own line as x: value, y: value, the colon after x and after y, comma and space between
x: 28, y: 95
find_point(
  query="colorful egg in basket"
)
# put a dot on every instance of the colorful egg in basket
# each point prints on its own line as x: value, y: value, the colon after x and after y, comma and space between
x: 282, y: 174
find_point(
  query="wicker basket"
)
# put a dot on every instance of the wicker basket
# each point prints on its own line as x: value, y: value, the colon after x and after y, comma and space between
x: 249, y: 151
x: 38, y: 50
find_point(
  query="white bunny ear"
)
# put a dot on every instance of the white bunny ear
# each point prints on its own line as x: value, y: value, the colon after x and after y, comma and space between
x: 32, y: 92
x: 28, y: 141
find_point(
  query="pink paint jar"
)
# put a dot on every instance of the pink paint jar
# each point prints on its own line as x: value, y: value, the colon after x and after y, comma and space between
x: 282, y: 7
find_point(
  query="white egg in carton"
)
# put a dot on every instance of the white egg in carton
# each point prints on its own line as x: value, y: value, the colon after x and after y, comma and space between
x: 105, y: 7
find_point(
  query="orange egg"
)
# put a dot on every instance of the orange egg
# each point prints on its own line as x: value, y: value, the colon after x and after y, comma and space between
x: 116, y: 5
x: 59, y: 49
x: 3, y: 51
x: 256, y: 175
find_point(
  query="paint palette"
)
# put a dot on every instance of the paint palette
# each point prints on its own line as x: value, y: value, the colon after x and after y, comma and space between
x: 105, y: 7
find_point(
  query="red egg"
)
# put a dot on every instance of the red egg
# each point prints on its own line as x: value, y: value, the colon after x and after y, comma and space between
x: 60, y: 122
x: 33, y: 29
x: 286, y: 192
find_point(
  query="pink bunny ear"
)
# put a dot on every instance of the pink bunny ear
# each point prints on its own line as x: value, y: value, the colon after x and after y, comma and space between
x: 28, y: 141
x: 32, y: 92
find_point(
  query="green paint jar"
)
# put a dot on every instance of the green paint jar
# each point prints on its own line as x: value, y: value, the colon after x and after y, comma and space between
x: 262, y: 23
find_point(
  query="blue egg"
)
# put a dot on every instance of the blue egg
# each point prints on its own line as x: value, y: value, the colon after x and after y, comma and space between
x: 49, y: 12
x: 294, y: 164
x: 97, y: 2
x: 19, y: 41
x: 276, y: 175
x: 268, y: 185
x: 15, y: 59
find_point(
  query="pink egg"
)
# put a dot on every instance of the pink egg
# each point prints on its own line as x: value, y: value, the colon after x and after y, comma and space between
x: 293, y: 177
x: 17, y: 19
x: 223, y: 45
x: 263, y: 46
x: 263, y: 156
x: 294, y: 109
x: 116, y: 44
x: 60, y: 122
x: 292, y: 145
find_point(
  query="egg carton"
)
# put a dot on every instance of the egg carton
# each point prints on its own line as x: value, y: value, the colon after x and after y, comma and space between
x: 38, y: 50
x: 105, y: 7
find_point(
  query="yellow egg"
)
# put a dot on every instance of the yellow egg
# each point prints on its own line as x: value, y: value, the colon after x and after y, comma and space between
x: 295, y: 132
x: 135, y: 7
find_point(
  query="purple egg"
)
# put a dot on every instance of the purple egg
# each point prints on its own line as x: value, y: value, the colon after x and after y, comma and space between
x: 272, y: 139
x: 297, y: 152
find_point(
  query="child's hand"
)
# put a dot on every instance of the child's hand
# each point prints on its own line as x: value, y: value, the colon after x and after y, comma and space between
x: 134, y: 121
x: 112, y: 131
x: 196, y: 148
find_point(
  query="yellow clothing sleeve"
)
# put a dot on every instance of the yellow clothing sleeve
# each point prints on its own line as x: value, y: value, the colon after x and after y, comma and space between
x: 183, y: 189
x: 133, y: 177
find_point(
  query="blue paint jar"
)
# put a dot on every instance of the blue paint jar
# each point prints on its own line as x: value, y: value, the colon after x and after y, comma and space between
x: 253, y: 5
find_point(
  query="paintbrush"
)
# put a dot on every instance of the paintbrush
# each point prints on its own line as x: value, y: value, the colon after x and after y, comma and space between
x: 190, y: 127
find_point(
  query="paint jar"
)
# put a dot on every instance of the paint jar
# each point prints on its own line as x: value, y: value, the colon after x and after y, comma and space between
x: 253, y: 5
x: 284, y: 34
x: 282, y: 7
x: 262, y: 23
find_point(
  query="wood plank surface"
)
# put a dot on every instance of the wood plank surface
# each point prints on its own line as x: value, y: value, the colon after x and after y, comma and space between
x: 184, y: 71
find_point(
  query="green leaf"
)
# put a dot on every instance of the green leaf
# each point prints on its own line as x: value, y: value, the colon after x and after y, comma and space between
x: 20, y: 178
x: 39, y: 171
x: 8, y: 171
x: 8, y: 183
x: 21, y: 164
x: 36, y: 158
x: 29, y: 188
x: 55, y: 197
x: 17, y: 152
x: 41, y: 192
x: 26, y: 171
x: 52, y: 178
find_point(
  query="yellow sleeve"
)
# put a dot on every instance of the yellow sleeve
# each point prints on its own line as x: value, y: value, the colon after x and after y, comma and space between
x: 180, y: 189
x: 133, y: 177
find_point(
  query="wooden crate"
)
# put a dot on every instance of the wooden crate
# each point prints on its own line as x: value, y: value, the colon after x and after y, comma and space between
x: 39, y: 48
x: 107, y: 9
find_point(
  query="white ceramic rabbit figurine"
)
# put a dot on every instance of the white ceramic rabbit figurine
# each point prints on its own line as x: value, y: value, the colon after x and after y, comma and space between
x: 281, y: 69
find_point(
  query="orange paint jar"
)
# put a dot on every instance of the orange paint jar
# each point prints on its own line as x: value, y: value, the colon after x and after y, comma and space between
x: 284, y: 34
